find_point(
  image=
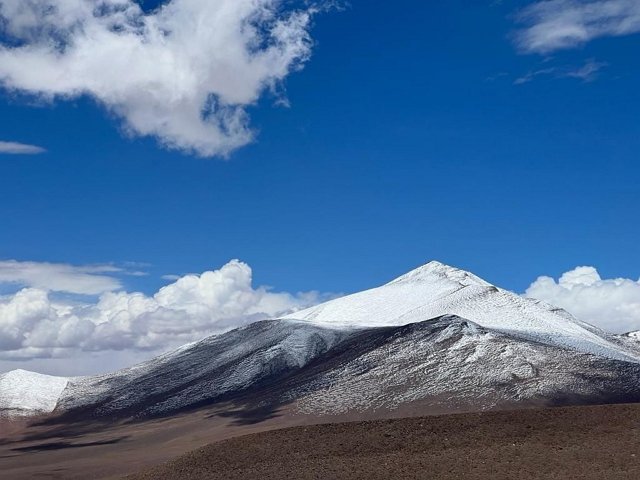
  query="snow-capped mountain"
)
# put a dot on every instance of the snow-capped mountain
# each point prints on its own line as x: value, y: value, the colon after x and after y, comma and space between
x: 436, y: 289
x: 437, y: 337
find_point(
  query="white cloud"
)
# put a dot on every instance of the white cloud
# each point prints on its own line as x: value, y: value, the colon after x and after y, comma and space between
x: 611, y: 304
x: 184, y: 73
x: 171, y: 277
x: 530, y: 76
x: 15, y: 148
x: 588, y: 72
x: 552, y: 25
x: 60, y: 277
x: 34, y: 324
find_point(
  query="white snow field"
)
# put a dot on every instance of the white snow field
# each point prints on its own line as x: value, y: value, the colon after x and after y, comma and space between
x: 29, y: 393
x: 436, y: 289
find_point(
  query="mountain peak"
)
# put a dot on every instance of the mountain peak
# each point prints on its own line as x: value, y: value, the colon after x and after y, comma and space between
x: 436, y: 289
x: 435, y: 271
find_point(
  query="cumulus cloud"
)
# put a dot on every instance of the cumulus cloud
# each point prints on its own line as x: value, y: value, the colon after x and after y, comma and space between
x: 36, y: 324
x: 60, y: 277
x: 183, y: 73
x: 552, y: 25
x: 15, y: 148
x: 611, y: 304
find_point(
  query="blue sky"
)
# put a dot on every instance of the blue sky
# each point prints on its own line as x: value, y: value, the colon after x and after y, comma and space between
x: 415, y: 131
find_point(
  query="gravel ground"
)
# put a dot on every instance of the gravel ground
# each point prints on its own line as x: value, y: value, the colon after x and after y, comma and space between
x: 601, y: 442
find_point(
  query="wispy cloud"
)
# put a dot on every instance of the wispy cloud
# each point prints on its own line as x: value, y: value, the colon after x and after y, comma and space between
x: 170, y: 277
x: 587, y: 72
x: 552, y: 25
x: 15, y: 148
x: 61, y: 277
x: 184, y: 73
x: 530, y: 76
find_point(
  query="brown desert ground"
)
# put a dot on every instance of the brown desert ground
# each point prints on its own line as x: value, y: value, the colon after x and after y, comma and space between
x: 600, y: 442
x: 79, y: 450
x: 595, y: 442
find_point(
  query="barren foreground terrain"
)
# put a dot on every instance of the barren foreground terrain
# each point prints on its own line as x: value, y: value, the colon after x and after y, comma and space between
x: 594, y: 442
x: 601, y: 442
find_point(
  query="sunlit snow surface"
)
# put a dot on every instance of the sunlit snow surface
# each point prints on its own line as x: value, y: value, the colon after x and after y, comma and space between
x: 436, y: 289
x: 634, y: 335
x: 29, y: 393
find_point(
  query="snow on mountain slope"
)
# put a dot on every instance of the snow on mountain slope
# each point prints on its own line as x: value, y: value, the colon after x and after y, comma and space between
x: 442, y: 364
x: 629, y: 340
x: 29, y: 393
x: 633, y: 335
x: 436, y: 289
x: 450, y: 363
x: 204, y: 371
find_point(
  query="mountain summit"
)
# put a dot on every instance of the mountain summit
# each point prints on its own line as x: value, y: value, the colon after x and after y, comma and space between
x: 435, y: 289
x: 434, y: 270
x: 435, y: 339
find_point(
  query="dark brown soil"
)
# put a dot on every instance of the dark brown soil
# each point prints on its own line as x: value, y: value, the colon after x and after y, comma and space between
x: 601, y: 442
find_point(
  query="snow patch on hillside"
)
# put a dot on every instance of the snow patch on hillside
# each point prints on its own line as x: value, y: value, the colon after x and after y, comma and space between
x: 28, y: 393
x: 634, y: 335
